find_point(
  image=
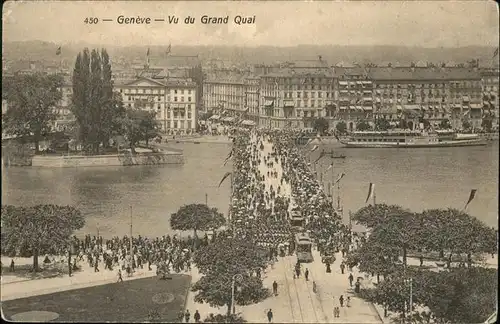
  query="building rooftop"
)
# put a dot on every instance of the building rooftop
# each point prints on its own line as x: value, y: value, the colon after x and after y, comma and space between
x: 423, y: 73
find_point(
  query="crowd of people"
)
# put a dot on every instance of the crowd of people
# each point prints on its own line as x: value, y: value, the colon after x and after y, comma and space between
x: 271, y: 180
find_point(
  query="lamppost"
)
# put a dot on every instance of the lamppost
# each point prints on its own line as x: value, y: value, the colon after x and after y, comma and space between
x: 239, y: 278
x: 410, y: 282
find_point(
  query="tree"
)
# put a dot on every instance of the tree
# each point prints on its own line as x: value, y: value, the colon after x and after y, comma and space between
x: 320, y: 125
x: 363, y: 126
x: 374, y: 215
x: 38, y: 229
x: 445, y: 124
x: 466, y: 125
x: 456, y: 232
x: 382, y: 124
x: 487, y: 124
x: 220, y: 262
x: 93, y: 103
x: 32, y: 100
x: 139, y: 125
x: 196, y: 217
x: 341, y: 127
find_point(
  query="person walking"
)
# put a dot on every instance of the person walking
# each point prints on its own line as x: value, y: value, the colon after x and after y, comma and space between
x: 120, y: 278
x: 275, y: 288
x: 12, y: 265
x: 351, y: 279
x: 96, y: 265
x: 342, y: 267
x: 348, y: 302
x: 306, y: 274
x: 197, y: 316
x: 187, y: 316
x: 341, y: 300
x: 270, y: 315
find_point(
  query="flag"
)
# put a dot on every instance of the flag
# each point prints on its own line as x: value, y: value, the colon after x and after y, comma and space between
x: 229, y: 156
x: 339, y: 178
x: 330, y: 166
x: 224, y: 177
x: 371, y: 191
x: 320, y: 156
x: 471, y: 196
x: 495, y: 53
x: 58, y: 51
x: 315, y: 148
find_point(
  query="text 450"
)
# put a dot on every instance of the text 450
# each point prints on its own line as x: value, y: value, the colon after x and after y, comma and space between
x: 91, y: 20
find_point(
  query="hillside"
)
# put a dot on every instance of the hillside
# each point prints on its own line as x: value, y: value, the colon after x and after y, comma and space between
x: 45, y: 51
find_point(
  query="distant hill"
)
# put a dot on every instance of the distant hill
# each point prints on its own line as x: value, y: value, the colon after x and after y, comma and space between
x: 45, y: 51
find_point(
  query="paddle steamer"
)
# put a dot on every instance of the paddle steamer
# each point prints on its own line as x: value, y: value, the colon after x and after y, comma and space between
x: 410, y: 139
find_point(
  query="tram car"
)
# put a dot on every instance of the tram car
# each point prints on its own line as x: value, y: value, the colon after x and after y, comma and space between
x: 303, y: 248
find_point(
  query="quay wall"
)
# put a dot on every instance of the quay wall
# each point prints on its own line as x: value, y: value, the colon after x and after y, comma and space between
x: 108, y: 160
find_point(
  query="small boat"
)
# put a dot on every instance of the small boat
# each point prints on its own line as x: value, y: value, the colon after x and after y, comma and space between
x: 338, y: 157
x: 196, y: 142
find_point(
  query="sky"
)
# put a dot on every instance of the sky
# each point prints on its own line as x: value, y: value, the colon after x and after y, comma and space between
x: 277, y: 23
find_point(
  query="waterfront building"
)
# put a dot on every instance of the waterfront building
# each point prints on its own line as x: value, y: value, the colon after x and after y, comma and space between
x: 355, y: 99
x: 225, y: 94
x: 172, y: 99
x: 427, y: 93
x: 252, y: 98
x: 296, y: 94
x: 490, y: 88
x: 65, y: 117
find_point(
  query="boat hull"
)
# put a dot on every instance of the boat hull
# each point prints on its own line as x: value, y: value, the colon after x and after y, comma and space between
x: 476, y: 142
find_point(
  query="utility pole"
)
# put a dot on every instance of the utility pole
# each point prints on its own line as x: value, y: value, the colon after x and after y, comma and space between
x: 206, y: 199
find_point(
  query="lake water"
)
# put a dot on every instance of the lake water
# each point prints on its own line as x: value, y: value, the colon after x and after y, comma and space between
x: 414, y: 178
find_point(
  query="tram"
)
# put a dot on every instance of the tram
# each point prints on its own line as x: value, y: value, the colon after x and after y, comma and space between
x: 303, y: 248
x: 296, y: 219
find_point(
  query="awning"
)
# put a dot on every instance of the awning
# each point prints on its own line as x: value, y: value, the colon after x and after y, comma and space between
x: 412, y: 107
x: 343, y: 107
x: 367, y: 98
x: 269, y: 103
x: 359, y: 108
x: 228, y: 119
x: 368, y: 108
x: 465, y: 98
x: 344, y: 91
x: 457, y: 106
x: 342, y: 82
x: 352, y: 107
x: 475, y: 106
x: 248, y: 123
x: 214, y: 117
x: 366, y: 82
x: 367, y: 91
x: 289, y: 103
x: 359, y: 82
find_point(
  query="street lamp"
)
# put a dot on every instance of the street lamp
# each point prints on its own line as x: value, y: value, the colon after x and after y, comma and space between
x: 239, y: 278
x: 410, y: 282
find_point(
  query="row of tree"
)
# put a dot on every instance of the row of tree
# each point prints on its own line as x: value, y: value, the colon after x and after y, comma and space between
x: 226, y: 259
x: 396, y: 232
x: 99, y: 111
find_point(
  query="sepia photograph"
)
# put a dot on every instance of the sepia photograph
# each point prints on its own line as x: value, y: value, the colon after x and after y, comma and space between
x: 250, y: 161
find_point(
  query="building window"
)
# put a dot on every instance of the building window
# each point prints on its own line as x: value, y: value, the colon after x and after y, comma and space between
x: 175, y: 98
x: 189, y: 99
x: 168, y: 114
x: 175, y: 124
x: 182, y: 99
x: 189, y: 91
x: 175, y: 91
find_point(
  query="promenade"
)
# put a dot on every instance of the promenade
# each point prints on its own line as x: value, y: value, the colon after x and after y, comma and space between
x: 296, y: 302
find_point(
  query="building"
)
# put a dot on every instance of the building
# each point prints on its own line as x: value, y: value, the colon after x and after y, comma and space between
x: 173, y: 100
x: 224, y: 93
x: 296, y: 94
x: 427, y: 93
x: 252, y: 98
x: 354, y: 95
x: 65, y: 117
x: 490, y: 88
